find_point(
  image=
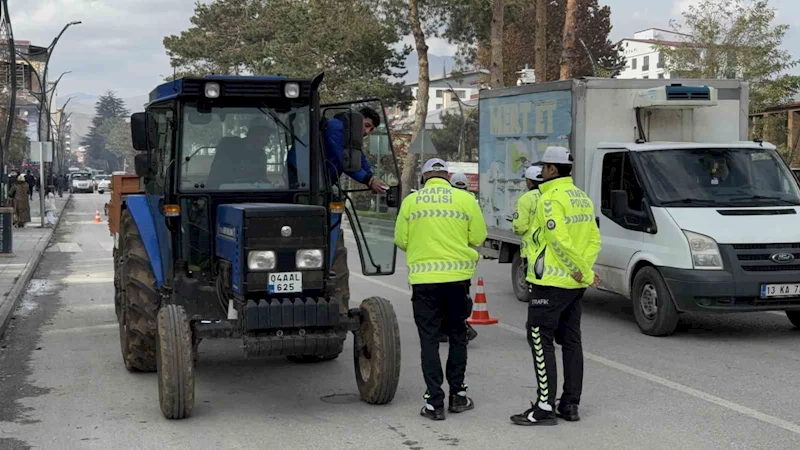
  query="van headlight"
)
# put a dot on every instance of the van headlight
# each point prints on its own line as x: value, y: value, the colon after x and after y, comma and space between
x: 704, y: 250
x: 309, y: 259
x: 261, y: 260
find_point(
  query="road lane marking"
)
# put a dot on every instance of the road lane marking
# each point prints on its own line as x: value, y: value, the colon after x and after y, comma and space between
x: 752, y: 413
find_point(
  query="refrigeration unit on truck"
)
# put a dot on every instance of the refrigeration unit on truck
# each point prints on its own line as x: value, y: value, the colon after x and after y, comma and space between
x: 693, y: 217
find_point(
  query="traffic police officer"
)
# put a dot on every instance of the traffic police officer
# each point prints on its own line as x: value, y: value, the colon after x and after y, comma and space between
x: 563, y: 250
x: 524, y: 217
x: 436, y: 227
x: 459, y: 181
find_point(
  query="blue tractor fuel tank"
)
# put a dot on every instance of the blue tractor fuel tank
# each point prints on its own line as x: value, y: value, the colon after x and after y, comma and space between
x: 278, y: 227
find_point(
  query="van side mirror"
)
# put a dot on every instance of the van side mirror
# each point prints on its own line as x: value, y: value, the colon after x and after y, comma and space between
x: 143, y: 132
x: 353, y: 140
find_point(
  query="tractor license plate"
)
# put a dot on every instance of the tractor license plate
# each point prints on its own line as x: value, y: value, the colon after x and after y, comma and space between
x: 780, y: 290
x: 285, y: 282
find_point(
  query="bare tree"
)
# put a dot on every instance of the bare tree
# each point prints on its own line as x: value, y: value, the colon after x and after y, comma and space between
x: 496, y: 66
x: 569, y: 40
x: 421, y: 113
x: 540, y: 61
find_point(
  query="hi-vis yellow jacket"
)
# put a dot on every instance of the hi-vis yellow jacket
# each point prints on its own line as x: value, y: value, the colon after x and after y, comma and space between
x: 525, y: 218
x: 436, y: 227
x: 567, y: 239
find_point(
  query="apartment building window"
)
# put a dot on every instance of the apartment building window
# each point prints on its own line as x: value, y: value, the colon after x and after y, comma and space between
x: 646, y: 63
x: 439, y: 93
x: 645, y: 77
x: 661, y: 75
x: 633, y: 63
x: 659, y: 61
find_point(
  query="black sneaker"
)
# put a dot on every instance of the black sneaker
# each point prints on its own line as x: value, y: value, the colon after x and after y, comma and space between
x: 471, y: 333
x: 460, y: 403
x: 535, y: 416
x: 432, y: 413
x: 568, y: 412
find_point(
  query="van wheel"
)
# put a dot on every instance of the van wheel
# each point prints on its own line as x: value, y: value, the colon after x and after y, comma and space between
x: 519, y: 271
x: 653, y: 306
x: 794, y: 317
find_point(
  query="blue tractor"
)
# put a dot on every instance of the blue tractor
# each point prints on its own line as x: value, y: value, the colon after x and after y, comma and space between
x: 233, y: 228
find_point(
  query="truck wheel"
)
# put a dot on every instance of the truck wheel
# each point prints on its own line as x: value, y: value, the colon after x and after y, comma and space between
x: 794, y: 317
x: 519, y: 270
x: 139, y: 301
x: 376, y: 351
x: 175, y: 363
x: 342, y: 280
x: 653, y: 307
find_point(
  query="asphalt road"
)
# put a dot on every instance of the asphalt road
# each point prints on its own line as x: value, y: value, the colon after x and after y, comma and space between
x: 724, y: 382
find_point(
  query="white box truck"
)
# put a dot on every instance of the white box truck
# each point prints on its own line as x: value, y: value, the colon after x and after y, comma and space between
x: 693, y: 217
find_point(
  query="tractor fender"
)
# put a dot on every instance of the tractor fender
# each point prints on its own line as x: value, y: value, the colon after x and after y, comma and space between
x: 148, y: 224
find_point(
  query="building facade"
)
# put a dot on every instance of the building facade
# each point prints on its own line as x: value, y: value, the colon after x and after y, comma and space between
x: 444, y: 93
x: 644, y: 61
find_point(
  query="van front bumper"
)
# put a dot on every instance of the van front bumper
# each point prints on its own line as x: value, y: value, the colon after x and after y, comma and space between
x: 722, y: 291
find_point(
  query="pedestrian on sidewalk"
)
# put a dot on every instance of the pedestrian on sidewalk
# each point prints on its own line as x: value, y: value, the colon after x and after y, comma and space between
x: 31, y: 180
x: 50, y: 207
x: 18, y: 192
x: 437, y: 228
x: 562, y: 251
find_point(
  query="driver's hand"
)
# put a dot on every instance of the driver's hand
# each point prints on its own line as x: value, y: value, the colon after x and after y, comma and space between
x: 378, y: 186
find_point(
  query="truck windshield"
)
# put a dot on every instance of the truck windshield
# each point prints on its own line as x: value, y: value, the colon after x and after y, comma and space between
x: 244, y: 149
x: 719, y: 177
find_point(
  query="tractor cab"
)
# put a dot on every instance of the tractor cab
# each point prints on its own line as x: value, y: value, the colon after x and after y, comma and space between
x: 234, y: 230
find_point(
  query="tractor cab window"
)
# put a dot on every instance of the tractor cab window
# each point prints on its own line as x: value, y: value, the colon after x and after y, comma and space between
x: 244, y: 149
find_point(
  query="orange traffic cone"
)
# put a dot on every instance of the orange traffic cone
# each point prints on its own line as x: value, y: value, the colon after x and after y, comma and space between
x: 97, y: 216
x: 480, y: 312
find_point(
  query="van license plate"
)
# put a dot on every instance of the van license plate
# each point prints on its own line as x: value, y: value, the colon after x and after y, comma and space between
x: 280, y: 282
x: 780, y: 290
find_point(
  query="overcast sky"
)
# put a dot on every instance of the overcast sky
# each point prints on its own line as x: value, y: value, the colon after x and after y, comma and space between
x: 119, y: 44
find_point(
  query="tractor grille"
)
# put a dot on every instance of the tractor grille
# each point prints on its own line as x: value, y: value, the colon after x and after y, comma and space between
x: 265, y: 232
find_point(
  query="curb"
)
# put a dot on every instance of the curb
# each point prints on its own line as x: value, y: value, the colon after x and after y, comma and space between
x: 18, y: 291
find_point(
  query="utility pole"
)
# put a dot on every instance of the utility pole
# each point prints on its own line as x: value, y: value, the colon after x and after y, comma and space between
x: 7, y: 34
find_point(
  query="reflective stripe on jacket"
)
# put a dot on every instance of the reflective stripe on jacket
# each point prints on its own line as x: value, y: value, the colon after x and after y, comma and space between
x: 436, y: 227
x: 566, y: 239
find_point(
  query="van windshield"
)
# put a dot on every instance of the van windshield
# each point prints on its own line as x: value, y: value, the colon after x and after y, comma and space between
x: 719, y: 177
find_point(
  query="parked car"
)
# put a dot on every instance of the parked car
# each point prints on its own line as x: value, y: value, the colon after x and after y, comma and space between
x: 102, y: 183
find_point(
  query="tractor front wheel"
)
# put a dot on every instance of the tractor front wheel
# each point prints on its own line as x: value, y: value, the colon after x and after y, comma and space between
x: 174, y: 355
x: 376, y: 351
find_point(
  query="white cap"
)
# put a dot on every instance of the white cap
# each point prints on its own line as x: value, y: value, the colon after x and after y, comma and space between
x: 556, y: 155
x: 459, y: 180
x: 434, y: 165
x: 534, y: 173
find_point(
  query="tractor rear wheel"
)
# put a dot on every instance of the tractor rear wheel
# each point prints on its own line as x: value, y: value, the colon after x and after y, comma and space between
x: 139, y: 300
x: 174, y: 356
x: 376, y: 351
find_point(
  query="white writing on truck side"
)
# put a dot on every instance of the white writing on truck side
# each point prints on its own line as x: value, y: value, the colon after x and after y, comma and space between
x: 513, y: 118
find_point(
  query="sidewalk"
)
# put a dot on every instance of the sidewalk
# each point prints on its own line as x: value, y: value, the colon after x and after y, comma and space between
x: 29, y: 244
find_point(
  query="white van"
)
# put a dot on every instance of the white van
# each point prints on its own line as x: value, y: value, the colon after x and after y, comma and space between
x: 693, y: 217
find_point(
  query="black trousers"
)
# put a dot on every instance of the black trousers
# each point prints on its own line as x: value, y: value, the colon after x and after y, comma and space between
x: 555, y: 314
x: 442, y: 308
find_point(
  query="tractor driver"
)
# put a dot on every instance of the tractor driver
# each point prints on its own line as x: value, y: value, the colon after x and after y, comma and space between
x: 253, y: 161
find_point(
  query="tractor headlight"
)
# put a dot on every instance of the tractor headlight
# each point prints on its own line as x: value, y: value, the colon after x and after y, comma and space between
x: 212, y: 90
x: 261, y: 260
x: 309, y: 259
x: 291, y: 90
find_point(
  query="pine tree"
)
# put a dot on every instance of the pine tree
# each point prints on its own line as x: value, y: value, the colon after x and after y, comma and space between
x: 108, y: 107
